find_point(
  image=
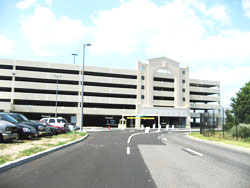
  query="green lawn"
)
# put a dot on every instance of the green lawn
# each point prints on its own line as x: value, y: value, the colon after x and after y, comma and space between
x: 227, y: 140
x: 28, y: 152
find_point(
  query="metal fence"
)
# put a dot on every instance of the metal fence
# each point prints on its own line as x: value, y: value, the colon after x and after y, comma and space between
x: 208, y: 124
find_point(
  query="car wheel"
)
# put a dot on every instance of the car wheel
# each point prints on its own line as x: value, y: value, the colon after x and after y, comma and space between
x: 1, y: 139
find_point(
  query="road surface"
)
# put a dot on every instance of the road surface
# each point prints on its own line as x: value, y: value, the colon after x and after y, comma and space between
x: 153, y: 160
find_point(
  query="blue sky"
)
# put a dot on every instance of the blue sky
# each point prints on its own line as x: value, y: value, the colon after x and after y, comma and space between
x: 211, y: 37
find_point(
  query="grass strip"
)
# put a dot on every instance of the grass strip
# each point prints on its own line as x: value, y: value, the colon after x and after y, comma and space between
x: 28, y: 152
x: 39, y: 147
x: 4, y: 159
x: 218, y: 138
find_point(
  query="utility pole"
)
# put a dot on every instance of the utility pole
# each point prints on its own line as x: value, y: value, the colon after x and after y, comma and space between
x: 84, y: 45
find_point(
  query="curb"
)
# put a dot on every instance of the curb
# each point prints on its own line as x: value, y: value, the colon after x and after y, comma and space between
x: 35, y: 156
x: 224, y: 145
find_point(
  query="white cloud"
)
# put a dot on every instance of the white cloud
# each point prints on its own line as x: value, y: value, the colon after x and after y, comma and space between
x: 49, y: 2
x: 217, y: 12
x: 178, y: 30
x: 175, y: 30
x: 49, y: 35
x: 139, y: 23
x: 25, y: 4
x: 6, y: 46
x: 246, y: 7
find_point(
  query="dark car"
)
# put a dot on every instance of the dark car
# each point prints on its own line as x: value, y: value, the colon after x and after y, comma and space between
x: 55, y: 130
x: 8, y: 131
x: 23, y: 131
x: 41, y: 129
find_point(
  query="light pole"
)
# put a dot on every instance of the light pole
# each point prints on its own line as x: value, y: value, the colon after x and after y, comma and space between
x: 57, y: 76
x: 83, y: 56
x: 74, y: 57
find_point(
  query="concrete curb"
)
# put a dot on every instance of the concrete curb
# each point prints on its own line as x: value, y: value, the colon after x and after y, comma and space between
x: 229, y: 146
x: 23, y: 160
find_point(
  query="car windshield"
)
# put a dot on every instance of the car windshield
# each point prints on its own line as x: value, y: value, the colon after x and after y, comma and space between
x: 22, y: 117
x: 8, y: 118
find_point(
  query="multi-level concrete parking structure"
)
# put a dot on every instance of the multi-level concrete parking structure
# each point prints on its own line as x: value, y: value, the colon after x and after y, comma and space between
x: 158, y: 92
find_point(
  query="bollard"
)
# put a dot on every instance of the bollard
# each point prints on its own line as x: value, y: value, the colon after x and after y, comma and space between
x: 147, y: 129
x: 159, y: 128
x: 142, y: 126
x: 172, y: 127
x: 167, y: 126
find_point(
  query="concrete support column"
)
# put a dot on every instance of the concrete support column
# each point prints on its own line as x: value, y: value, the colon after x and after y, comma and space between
x: 78, y: 118
x: 137, y: 123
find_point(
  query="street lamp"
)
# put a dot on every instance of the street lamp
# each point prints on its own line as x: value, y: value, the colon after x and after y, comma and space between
x: 74, y: 57
x: 84, y: 45
x: 57, y: 76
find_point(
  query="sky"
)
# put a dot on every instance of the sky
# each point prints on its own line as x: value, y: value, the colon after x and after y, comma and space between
x: 211, y: 37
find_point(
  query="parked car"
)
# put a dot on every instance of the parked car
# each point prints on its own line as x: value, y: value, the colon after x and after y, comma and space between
x: 60, y: 129
x: 54, y: 129
x: 42, y: 129
x: 58, y: 122
x: 8, y: 131
x: 23, y: 131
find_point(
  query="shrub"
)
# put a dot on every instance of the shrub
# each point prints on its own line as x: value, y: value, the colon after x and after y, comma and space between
x: 243, y: 131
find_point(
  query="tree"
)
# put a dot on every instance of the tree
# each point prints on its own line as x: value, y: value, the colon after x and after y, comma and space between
x: 241, y: 104
x: 229, y: 120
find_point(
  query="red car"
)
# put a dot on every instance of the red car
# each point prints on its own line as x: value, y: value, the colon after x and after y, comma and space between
x: 60, y: 130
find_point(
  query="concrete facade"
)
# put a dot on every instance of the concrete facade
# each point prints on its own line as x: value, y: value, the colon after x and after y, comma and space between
x: 159, y: 88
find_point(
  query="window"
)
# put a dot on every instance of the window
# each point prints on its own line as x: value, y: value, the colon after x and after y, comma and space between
x: 142, y: 97
x: 142, y: 77
x: 183, y: 81
x: 142, y: 87
x: 51, y: 121
x: 142, y: 68
x: 183, y: 99
x: 183, y: 72
x: 183, y: 90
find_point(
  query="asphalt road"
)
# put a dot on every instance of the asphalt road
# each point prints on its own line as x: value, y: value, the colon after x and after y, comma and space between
x: 153, y: 160
x: 185, y: 162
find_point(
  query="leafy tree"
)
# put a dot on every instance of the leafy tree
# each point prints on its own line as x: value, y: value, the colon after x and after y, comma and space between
x: 229, y: 120
x: 241, y: 104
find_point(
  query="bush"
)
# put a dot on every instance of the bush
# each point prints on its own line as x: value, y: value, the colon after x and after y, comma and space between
x: 243, y: 131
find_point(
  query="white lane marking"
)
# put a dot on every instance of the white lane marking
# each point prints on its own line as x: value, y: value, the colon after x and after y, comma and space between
x: 194, y: 152
x: 165, y: 139
x: 129, y: 138
x: 128, y: 150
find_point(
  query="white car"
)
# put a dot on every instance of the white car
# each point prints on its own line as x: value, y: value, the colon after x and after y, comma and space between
x: 59, y: 121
